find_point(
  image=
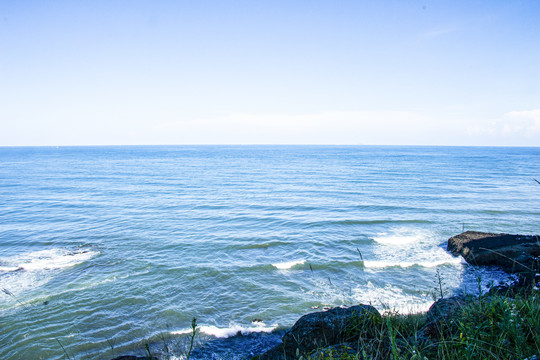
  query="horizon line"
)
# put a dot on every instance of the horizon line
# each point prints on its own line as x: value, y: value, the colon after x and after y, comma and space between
x: 255, y: 144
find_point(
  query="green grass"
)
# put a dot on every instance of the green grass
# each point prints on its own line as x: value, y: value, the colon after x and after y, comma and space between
x: 490, y: 327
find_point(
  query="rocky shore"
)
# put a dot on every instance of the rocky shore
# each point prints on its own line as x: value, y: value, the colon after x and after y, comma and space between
x: 343, y: 333
x: 512, y: 253
x: 361, y: 332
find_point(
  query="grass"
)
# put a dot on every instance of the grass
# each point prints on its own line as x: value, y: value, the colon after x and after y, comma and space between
x: 172, y: 349
x: 489, y: 327
x: 494, y: 327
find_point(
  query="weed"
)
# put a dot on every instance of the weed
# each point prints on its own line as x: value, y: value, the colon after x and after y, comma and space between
x: 63, y: 349
x: 192, y: 336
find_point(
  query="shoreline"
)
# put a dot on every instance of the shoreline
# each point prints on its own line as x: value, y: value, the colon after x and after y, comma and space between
x: 442, y: 309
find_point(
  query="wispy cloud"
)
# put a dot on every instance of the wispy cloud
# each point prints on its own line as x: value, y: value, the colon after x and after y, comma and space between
x: 524, y: 124
x: 529, y: 117
x: 440, y: 31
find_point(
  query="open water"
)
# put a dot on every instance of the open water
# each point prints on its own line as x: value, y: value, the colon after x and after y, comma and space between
x: 104, y: 249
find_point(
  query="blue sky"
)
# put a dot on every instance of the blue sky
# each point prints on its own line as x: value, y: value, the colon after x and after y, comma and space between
x: 270, y: 72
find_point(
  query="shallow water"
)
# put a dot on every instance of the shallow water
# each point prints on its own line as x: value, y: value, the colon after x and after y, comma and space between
x: 105, y: 248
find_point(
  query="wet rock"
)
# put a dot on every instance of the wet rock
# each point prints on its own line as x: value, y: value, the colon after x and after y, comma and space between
x: 322, y: 329
x: 513, y: 253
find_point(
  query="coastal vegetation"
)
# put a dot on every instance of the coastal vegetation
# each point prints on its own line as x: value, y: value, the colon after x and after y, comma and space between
x: 503, y: 323
x: 488, y: 327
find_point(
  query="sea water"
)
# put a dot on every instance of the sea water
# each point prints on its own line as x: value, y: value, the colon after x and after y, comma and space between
x: 106, y: 249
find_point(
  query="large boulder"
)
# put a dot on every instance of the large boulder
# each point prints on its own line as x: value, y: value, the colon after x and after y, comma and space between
x: 513, y: 253
x: 322, y: 329
x: 440, y: 317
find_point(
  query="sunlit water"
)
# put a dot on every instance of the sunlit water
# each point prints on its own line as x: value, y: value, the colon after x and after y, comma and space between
x: 103, y: 249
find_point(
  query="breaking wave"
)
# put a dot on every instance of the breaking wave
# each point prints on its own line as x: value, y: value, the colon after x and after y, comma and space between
x: 288, y: 265
x: 232, y: 330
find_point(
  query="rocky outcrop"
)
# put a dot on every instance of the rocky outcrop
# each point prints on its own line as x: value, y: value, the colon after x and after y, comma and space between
x: 513, y: 253
x: 439, y: 317
x: 322, y: 329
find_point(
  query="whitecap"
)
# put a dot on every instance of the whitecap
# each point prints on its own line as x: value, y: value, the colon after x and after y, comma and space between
x: 402, y: 236
x: 52, y: 259
x: 34, y: 269
x: 288, y: 265
x: 232, y: 330
x: 9, y: 268
x: 391, y: 298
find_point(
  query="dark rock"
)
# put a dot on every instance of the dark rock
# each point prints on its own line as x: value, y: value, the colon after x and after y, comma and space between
x: 513, y: 253
x: 322, y: 329
x: 440, y: 315
x: 520, y: 288
x: 131, y: 357
x: 339, y: 351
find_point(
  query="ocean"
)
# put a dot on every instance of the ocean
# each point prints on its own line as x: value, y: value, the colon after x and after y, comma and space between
x: 106, y: 249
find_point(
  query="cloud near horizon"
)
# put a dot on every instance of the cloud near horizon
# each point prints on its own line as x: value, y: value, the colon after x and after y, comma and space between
x: 339, y: 127
x: 384, y: 127
x: 521, y: 125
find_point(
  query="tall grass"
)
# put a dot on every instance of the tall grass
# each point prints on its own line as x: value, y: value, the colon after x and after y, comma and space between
x: 490, y: 327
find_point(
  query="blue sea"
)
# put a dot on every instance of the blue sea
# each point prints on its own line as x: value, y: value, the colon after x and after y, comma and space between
x: 104, y: 250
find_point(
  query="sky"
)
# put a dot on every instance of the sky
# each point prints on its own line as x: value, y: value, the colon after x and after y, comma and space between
x: 119, y: 72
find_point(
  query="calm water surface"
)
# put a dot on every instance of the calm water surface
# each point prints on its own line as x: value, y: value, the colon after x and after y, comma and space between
x: 105, y: 248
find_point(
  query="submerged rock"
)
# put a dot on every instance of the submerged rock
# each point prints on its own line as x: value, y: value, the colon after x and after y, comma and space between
x: 513, y: 253
x: 322, y: 329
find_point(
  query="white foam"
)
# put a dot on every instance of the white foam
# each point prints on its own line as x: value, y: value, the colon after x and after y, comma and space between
x: 387, y: 297
x: 405, y: 264
x: 391, y: 298
x: 8, y: 268
x: 288, y: 265
x: 228, y: 331
x: 34, y: 269
x: 52, y: 259
x: 401, y: 236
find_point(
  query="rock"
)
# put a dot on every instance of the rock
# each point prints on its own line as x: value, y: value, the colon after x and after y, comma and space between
x: 513, y: 253
x: 439, y: 316
x: 322, y: 329
x: 339, y: 351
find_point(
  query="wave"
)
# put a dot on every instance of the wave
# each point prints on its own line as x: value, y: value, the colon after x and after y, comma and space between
x: 402, y: 236
x: 365, y: 222
x: 392, y: 298
x: 382, y: 296
x: 47, y: 259
x: 264, y: 245
x: 381, y: 264
x: 228, y: 331
x: 9, y: 268
x: 288, y: 265
x: 31, y: 270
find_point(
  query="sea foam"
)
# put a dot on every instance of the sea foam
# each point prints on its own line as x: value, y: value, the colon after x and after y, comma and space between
x: 33, y: 269
x: 52, y: 259
x: 402, y: 236
x: 288, y: 265
x: 405, y: 264
x: 226, y: 332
